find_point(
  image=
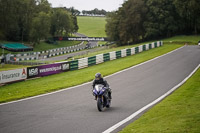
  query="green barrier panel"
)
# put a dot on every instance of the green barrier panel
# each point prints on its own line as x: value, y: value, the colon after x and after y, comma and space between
x: 128, y: 52
x: 106, y: 57
x: 144, y: 47
x: 150, y: 46
x: 136, y: 50
x: 91, y: 61
x: 74, y: 65
x: 118, y: 54
x: 155, y: 44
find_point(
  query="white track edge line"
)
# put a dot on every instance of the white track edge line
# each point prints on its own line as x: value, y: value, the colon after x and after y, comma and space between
x: 111, y: 129
x: 90, y: 81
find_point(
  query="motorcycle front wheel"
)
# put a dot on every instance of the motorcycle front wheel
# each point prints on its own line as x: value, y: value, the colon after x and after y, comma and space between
x: 99, y: 104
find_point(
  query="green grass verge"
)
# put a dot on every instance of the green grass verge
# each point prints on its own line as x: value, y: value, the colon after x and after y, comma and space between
x: 183, y: 39
x: 178, y: 113
x: 6, y: 67
x: 92, y: 26
x: 67, y: 79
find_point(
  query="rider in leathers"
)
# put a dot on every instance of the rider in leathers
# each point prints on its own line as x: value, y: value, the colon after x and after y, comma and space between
x: 100, y: 80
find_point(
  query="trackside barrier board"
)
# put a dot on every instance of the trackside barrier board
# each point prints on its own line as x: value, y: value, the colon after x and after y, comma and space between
x: 13, y: 75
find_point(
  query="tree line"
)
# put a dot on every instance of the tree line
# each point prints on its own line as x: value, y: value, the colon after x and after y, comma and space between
x: 94, y: 12
x: 34, y: 20
x: 139, y: 20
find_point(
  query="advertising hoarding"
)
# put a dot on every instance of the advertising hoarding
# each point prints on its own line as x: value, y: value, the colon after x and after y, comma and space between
x: 13, y: 75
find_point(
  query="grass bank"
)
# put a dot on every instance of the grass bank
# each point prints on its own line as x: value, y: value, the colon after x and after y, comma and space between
x: 183, y: 39
x: 59, y: 81
x: 178, y: 113
x: 92, y: 26
x: 5, y: 67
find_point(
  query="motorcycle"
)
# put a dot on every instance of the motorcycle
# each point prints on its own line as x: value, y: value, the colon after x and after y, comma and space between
x: 103, y: 100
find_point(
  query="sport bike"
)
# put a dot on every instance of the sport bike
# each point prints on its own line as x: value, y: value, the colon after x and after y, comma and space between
x: 101, y: 94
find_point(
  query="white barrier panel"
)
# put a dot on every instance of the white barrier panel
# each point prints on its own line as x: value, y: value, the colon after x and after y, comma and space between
x: 112, y: 55
x: 133, y: 51
x: 99, y: 58
x: 123, y: 52
x: 13, y: 75
x: 82, y: 63
x: 158, y: 43
x: 152, y: 44
x: 147, y: 46
x: 140, y: 48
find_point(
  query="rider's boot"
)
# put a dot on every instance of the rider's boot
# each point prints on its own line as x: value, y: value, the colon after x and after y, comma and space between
x: 95, y: 98
x: 109, y: 95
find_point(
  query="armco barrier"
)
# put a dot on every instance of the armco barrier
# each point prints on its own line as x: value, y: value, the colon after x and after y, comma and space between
x: 74, y: 65
x: 128, y: 52
x: 99, y: 58
x: 106, y: 57
x: 118, y: 54
x: 91, y: 61
x: 45, y: 70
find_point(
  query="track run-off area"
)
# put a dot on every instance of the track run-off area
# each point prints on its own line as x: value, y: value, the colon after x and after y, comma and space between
x: 74, y: 110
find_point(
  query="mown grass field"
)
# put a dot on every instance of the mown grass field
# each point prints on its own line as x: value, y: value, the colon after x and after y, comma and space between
x: 92, y: 26
x: 178, y: 113
x: 67, y: 79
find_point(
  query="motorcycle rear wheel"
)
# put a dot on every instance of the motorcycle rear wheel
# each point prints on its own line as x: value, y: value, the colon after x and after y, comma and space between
x: 108, y: 106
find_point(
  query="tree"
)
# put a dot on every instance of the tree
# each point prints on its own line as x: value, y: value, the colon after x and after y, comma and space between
x: 112, y: 30
x: 126, y: 25
x: 40, y: 27
x: 188, y: 11
x: 16, y: 16
x: 161, y: 19
x: 94, y: 12
x: 61, y: 22
x: 74, y: 13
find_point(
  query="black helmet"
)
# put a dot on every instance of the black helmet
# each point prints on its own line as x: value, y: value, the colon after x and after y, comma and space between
x: 97, y: 76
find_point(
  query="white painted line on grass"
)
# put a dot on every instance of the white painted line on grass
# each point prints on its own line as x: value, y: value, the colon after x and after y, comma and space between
x: 111, y: 129
x: 90, y: 81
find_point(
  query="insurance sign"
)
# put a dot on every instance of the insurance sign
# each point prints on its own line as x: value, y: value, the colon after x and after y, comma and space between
x: 13, y: 75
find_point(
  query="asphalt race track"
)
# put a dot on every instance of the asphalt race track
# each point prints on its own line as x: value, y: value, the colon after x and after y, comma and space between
x: 75, y: 111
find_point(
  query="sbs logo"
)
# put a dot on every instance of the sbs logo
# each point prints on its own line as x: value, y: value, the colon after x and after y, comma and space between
x: 33, y: 72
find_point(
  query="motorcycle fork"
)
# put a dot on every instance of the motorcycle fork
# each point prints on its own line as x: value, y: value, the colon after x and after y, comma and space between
x: 102, y: 98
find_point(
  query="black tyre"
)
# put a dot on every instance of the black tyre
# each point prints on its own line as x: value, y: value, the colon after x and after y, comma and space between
x: 108, y: 106
x: 99, y: 105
